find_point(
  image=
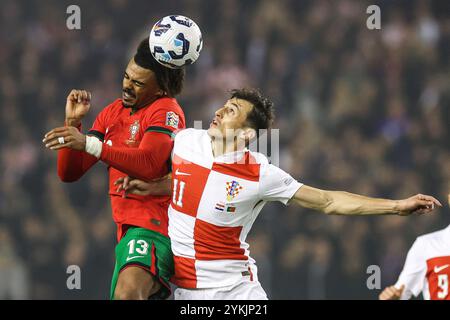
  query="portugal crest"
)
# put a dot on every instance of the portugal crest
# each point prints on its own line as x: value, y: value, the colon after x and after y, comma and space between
x: 134, y: 130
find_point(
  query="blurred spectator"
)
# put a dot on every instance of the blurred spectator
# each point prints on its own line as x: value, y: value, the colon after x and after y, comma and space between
x: 14, y: 282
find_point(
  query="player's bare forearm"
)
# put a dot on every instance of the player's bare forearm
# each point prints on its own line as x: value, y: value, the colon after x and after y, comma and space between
x: 159, y: 187
x: 345, y: 203
x: 164, y: 187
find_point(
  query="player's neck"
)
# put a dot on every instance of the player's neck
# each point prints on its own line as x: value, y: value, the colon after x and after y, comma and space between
x: 221, y: 147
x: 144, y: 104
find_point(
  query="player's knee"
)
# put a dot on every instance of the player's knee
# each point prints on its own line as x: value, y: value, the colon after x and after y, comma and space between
x: 129, y: 292
x: 134, y: 284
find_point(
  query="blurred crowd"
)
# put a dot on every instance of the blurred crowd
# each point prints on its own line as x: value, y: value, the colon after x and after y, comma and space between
x: 360, y: 110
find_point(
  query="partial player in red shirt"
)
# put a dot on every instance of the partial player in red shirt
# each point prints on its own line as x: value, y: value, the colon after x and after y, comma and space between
x: 133, y: 136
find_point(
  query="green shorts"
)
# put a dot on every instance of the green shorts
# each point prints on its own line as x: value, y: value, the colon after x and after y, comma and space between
x: 149, y: 250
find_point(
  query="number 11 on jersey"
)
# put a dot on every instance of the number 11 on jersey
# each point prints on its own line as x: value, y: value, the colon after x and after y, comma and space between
x: 180, y: 192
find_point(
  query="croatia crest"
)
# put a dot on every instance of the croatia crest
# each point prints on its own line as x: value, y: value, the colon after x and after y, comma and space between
x: 233, y: 189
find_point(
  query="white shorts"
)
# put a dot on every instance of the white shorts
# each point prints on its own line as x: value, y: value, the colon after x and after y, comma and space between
x: 242, y: 290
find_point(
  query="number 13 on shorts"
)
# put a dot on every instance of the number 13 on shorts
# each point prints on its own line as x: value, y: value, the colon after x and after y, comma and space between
x: 138, y: 246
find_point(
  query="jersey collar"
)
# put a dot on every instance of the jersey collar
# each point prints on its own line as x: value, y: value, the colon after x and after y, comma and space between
x: 230, y: 157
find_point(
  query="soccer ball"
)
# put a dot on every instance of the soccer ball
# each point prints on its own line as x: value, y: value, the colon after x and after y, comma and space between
x: 175, y: 41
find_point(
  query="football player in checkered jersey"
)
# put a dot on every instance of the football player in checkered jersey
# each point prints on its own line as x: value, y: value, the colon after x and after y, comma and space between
x: 132, y: 136
x: 426, y: 269
x: 219, y: 187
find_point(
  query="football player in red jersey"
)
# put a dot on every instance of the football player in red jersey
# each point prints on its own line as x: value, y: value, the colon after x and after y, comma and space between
x: 132, y: 136
x: 426, y: 270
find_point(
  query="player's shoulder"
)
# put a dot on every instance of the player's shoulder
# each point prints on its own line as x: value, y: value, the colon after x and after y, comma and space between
x: 166, y: 104
x: 113, y: 106
x: 433, y: 236
x: 190, y: 134
x: 258, y: 158
x: 111, y: 110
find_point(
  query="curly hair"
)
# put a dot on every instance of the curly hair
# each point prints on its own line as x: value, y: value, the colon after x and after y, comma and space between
x: 169, y: 80
x: 262, y: 114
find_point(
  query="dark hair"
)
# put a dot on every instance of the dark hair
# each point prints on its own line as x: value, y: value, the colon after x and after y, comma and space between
x: 262, y: 114
x: 169, y: 80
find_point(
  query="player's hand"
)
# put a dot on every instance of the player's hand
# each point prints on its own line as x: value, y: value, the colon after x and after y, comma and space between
x: 419, y: 204
x: 77, y: 106
x: 65, y: 137
x: 156, y: 187
x: 391, y: 293
x: 132, y: 186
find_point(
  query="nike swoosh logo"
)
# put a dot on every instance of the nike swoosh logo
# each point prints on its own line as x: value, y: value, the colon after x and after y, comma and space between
x: 130, y: 258
x: 439, y: 269
x: 179, y: 173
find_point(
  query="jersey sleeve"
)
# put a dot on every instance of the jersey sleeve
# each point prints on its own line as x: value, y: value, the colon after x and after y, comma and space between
x: 73, y: 164
x: 167, y: 119
x: 276, y: 184
x: 152, y: 158
x: 413, y: 273
x: 98, y: 129
x: 149, y: 161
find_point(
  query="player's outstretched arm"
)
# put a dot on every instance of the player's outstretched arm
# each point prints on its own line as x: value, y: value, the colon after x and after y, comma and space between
x: 157, y: 187
x: 345, y: 203
x: 391, y: 293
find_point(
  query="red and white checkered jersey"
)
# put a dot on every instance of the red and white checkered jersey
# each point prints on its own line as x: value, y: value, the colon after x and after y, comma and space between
x: 427, y: 267
x: 215, y: 202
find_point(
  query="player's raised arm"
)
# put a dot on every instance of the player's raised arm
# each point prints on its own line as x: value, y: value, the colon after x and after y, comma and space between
x: 72, y: 164
x: 77, y: 106
x: 345, y: 203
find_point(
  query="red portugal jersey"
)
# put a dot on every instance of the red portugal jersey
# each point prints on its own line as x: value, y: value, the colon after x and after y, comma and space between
x: 427, y: 267
x: 120, y: 127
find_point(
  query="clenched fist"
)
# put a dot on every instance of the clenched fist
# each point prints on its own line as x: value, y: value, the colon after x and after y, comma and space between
x: 391, y: 293
x: 77, y: 106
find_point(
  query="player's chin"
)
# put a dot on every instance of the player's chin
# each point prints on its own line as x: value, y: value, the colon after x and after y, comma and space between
x: 128, y: 103
x: 213, y: 131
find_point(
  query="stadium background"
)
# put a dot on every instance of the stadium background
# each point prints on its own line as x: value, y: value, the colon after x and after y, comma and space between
x: 360, y: 110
